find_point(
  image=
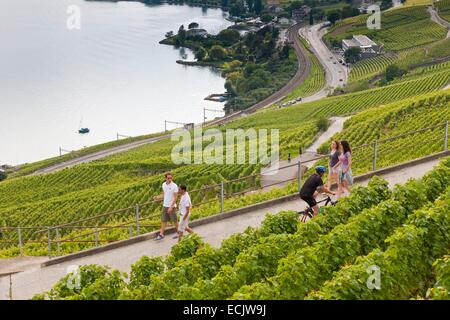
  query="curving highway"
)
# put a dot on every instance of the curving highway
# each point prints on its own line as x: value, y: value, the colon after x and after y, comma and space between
x: 336, y: 74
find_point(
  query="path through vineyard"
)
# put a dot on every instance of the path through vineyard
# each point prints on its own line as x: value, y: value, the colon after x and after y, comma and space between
x: 337, y: 123
x: 36, y: 280
x: 436, y: 18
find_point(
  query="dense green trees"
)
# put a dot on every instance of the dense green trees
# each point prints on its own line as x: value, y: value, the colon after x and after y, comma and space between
x: 217, y: 53
x: 333, y: 16
x: 3, y: 175
x: 352, y: 55
x: 229, y: 36
x: 393, y: 71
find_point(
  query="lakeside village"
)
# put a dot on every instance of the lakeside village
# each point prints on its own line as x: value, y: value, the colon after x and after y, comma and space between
x: 255, y: 55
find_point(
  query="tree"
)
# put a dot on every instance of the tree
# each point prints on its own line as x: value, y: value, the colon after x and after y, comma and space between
x: 322, y: 124
x: 386, y: 4
x: 393, y: 71
x: 3, y: 175
x: 250, y: 4
x: 200, y: 54
x: 293, y: 6
x: 284, y: 54
x: 181, y: 36
x: 353, y: 55
x: 217, y: 53
x: 266, y: 17
x: 258, y: 6
x: 229, y: 36
x: 193, y: 25
x: 333, y: 16
x: 348, y: 11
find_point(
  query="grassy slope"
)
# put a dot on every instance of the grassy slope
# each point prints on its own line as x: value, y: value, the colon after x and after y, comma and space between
x: 315, y: 80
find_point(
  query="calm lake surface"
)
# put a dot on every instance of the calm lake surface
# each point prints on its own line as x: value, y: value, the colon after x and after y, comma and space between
x: 111, y: 75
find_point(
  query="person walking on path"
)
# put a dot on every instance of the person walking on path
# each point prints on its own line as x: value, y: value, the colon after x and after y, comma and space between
x: 185, y: 212
x: 345, y: 169
x: 169, y: 197
x: 333, y: 164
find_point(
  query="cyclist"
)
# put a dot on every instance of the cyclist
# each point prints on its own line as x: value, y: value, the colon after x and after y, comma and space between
x: 310, y: 189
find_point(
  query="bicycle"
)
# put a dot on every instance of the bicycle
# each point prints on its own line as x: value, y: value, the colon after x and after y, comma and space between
x: 309, y: 212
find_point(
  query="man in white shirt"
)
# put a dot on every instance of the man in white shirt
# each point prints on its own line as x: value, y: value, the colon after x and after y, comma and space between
x: 185, y: 211
x: 169, y: 197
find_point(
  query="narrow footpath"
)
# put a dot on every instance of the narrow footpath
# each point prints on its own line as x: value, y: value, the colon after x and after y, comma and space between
x: 269, y: 180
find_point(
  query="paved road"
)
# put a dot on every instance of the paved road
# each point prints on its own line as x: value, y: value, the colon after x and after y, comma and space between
x: 35, y: 279
x: 304, y: 66
x: 435, y: 18
x: 334, y: 71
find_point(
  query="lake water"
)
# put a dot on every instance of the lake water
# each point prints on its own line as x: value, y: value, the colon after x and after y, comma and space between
x: 111, y: 75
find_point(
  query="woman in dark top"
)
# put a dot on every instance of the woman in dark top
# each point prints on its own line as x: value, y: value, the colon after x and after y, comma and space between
x: 333, y: 164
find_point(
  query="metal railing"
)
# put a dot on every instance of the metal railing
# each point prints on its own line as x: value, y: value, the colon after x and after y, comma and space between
x: 135, y: 218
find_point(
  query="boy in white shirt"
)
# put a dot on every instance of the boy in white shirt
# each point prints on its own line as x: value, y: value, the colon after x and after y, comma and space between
x: 185, y: 211
x: 169, y: 197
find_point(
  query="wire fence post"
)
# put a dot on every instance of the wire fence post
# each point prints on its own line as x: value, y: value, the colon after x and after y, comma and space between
x: 96, y: 235
x: 57, y: 242
x: 49, y: 243
x: 299, y: 175
x: 222, y: 196
x: 131, y: 232
x: 446, y: 136
x: 137, y: 219
x: 374, y: 164
x: 19, y: 231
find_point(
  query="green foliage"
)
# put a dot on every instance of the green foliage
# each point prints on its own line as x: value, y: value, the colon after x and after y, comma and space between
x: 352, y: 55
x: 217, y: 53
x: 392, y: 71
x: 3, y: 175
x: 333, y: 16
x: 143, y: 269
x: 184, y: 249
x: 441, y: 287
x: 261, y: 260
x: 405, y: 264
x: 282, y: 222
x: 322, y: 124
x: 74, y: 283
x: 229, y: 36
